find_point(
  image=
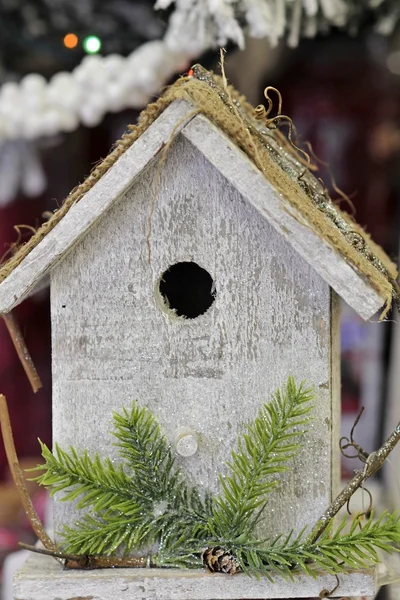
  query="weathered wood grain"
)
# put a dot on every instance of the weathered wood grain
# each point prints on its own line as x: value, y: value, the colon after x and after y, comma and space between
x: 336, y: 394
x: 114, y: 342
x: 41, y: 578
x: 89, y: 209
x: 283, y: 216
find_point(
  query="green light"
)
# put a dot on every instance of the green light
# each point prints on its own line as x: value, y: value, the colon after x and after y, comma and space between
x: 92, y: 44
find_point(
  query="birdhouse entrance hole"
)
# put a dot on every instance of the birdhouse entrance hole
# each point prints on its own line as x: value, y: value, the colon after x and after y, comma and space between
x: 187, y: 289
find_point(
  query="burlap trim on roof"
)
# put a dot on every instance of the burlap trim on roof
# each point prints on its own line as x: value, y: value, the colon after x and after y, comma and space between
x: 208, y: 100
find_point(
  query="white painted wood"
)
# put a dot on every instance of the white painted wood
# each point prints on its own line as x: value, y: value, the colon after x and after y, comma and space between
x: 113, y: 342
x: 283, y: 216
x: 336, y: 394
x: 237, y: 168
x: 42, y: 578
x: 83, y: 215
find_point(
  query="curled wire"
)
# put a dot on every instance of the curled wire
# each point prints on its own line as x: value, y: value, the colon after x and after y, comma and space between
x: 367, y: 511
x: 329, y: 594
x: 277, y: 121
x: 346, y: 443
x: 357, y: 240
x: 262, y: 113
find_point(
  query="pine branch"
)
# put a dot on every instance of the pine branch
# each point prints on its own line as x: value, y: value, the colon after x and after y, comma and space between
x: 145, y: 449
x: 149, y: 455
x: 262, y: 454
x: 333, y: 553
x: 285, y: 556
x: 98, y: 483
x: 132, y: 509
x: 123, y: 515
x: 96, y: 536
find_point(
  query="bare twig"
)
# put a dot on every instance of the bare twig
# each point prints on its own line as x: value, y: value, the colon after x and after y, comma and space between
x: 83, y: 561
x: 22, y: 351
x: 108, y: 562
x: 372, y: 464
x: 47, y: 552
x: 19, y: 478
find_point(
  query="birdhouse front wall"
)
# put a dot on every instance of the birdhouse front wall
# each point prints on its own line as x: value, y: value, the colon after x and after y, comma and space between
x: 115, y: 339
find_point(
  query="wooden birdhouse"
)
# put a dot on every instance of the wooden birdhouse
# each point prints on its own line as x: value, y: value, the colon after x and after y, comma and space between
x: 194, y: 270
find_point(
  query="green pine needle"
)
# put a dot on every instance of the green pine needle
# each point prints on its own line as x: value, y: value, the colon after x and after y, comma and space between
x: 263, y: 452
x: 97, y: 483
x: 333, y: 552
x: 134, y: 505
x: 94, y: 536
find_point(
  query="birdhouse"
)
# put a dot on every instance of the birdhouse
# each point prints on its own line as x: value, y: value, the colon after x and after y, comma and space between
x: 194, y: 270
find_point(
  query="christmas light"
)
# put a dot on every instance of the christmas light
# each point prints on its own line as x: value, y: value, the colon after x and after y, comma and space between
x: 70, y: 41
x: 92, y: 44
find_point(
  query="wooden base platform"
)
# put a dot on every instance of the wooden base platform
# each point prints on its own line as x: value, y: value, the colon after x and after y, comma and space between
x: 42, y: 578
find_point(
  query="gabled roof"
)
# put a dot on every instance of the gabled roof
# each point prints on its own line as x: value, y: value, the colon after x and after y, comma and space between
x: 266, y: 170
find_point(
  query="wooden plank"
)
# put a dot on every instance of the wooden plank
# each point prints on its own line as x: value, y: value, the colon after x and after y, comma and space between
x: 336, y: 395
x: 90, y: 208
x: 42, y: 578
x: 283, y: 216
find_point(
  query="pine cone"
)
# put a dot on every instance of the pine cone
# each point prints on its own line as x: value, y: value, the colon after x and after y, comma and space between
x: 219, y: 560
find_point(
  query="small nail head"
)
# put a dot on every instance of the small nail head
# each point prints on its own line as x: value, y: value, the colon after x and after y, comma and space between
x: 186, y: 443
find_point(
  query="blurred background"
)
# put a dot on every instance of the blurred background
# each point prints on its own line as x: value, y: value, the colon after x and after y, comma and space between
x: 340, y: 84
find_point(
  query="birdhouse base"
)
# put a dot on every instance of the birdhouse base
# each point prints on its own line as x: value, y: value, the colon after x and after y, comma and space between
x: 42, y: 578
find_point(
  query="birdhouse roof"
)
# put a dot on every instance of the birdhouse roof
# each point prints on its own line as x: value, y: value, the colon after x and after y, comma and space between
x: 265, y: 166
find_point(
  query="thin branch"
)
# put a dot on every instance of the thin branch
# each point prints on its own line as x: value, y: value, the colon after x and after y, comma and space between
x: 19, y: 479
x: 373, y: 463
x: 45, y: 551
x: 109, y: 562
x: 83, y: 561
x: 22, y: 351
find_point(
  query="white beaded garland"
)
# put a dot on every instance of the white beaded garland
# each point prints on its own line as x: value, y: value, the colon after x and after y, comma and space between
x: 98, y: 85
x: 33, y: 83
